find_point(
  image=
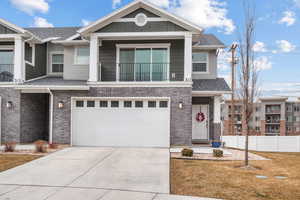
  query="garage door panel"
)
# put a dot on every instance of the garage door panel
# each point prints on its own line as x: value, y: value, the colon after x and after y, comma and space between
x: 133, y: 127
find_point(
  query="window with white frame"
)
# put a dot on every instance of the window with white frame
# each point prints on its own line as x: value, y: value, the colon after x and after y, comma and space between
x: 57, y: 62
x: 200, y: 62
x: 82, y: 55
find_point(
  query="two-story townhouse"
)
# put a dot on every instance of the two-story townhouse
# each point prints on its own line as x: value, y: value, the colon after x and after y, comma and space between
x: 137, y: 77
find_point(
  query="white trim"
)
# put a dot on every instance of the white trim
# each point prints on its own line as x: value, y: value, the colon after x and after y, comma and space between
x: 32, y: 63
x: 134, y: 6
x: 19, y: 59
x: 142, y: 84
x: 217, y: 109
x: 51, y: 106
x: 94, y: 59
x: 139, y: 23
x: 188, y: 56
x: 207, y: 63
x: 73, y: 37
x: 51, y: 87
x: 144, y: 45
x: 209, y: 47
x: 51, y: 62
x: 7, y: 47
x: 149, y: 19
x: 71, y: 42
x: 76, y: 54
x: 34, y: 79
x: 209, y: 93
x: 12, y: 26
x: 173, y: 34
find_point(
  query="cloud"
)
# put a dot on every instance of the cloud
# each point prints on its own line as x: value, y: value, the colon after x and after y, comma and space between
x: 85, y: 22
x: 224, y: 60
x: 285, y: 46
x: 205, y: 13
x: 116, y: 3
x: 41, y: 22
x: 287, y: 89
x: 289, y: 18
x: 259, y: 47
x: 297, y: 3
x: 263, y: 63
x: 161, y: 3
x: 31, y: 6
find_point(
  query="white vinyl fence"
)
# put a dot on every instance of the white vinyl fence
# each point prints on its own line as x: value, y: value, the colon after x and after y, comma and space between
x: 265, y: 143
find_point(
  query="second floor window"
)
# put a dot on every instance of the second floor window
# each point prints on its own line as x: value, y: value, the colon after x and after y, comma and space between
x: 57, y: 63
x: 200, y: 62
x: 82, y: 56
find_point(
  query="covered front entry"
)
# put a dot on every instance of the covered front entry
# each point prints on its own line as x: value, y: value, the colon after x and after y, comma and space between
x: 200, y: 123
x: 121, y: 122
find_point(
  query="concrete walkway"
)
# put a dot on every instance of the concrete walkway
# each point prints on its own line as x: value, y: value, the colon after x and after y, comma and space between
x: 92, y: 174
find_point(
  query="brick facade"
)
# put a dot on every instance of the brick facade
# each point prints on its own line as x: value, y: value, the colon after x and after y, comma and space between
x: 181, y: 121
x: 10, y: 117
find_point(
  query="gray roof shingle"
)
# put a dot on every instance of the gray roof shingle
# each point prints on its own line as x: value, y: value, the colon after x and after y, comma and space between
x: 218, y: 84
x: 208, y: 40
x: 61, y: 32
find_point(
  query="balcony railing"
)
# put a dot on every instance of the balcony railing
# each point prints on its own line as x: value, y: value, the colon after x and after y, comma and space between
x: 6, y: 72
x: 143, y: 71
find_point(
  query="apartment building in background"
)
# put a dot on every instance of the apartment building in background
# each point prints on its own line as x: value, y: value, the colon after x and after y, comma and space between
x: 271, y: 117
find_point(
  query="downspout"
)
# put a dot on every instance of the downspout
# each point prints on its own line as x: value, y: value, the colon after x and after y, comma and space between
x: 50, y: 117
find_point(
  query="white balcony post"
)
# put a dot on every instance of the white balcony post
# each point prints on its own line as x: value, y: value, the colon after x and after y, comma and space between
x: 94, y: 49
x: 19, y: 64
x: 188, y: 57
x: 217, y: 109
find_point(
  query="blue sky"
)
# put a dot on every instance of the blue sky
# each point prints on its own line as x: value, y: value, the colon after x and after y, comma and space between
x: 277, y: 33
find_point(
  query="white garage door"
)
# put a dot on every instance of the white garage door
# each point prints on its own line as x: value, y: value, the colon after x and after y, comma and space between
x: 121, y: 122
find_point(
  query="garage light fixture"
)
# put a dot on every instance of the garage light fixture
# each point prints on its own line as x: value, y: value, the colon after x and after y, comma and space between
x: 9, y: 104
x: 180, y: 105
x: 61, y: 105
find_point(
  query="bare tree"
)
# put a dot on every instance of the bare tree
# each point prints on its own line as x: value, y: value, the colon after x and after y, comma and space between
x: 248, y: 73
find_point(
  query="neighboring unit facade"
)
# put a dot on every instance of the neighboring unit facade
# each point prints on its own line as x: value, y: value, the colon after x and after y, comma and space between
x: 137, y: 77
x: 272, y: 116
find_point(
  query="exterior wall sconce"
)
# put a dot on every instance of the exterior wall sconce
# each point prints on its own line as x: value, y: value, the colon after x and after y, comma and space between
x: 180, y: 105
x: 61, y: 105
x: 9, y: 104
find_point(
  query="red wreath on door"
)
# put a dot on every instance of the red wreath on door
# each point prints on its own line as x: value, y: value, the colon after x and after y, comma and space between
x: 200, y: 117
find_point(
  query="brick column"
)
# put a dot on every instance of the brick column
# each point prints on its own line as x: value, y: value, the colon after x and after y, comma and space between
x: 282, y: 128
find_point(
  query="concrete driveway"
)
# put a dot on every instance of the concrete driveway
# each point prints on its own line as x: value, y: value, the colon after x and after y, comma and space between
x: 90, y: 174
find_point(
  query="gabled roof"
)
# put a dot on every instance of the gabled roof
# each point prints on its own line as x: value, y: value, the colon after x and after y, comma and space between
x: 136, y: 5
x: 12, y: 26
x: 60, y: 33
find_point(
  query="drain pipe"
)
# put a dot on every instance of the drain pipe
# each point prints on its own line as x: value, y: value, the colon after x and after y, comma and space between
x: 50, y: 116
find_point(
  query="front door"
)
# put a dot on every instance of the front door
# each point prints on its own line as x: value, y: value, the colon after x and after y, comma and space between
x: 200, y: 123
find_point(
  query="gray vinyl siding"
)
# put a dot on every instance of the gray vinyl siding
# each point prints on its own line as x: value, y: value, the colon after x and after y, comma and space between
x: 28, y: 52
x: 212, y: 66
x: 40, y: 68
x: 51, y: 48
x: 140, y: 10
x: 5, y: 30
x: 71, y: 71
x: 164, y: 26
x: 107, y: 54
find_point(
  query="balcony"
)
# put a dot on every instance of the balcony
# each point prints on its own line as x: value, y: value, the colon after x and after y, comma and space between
x: 143, y: 72
x: 6, y: 72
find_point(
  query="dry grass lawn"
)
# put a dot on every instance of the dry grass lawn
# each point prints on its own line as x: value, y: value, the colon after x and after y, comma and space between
x: 8, y: 161
x: 226, y: 180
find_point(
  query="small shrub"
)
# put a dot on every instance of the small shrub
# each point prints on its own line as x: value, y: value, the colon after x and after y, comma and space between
x: 10, y: 146
x: 187, y: 152
x: 218, y: 153
x: 41, y: 146
x: 53, y: 146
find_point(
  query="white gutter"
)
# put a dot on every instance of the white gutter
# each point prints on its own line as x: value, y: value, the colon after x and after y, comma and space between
x: 51, y: 87
x: 210, y: 93
x: 51, y: 117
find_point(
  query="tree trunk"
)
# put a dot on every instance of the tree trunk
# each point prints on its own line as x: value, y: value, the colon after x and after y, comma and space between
x: 247, y: 147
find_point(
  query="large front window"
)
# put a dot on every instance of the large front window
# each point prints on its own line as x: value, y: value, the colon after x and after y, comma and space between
x: 143, y: 64
x: 6, y: 65
x: 57, y: 63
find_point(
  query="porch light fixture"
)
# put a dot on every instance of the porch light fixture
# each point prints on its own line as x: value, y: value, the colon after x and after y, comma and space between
x: 9, y: 104
x: 61, y: 105
x: 180, y: 105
